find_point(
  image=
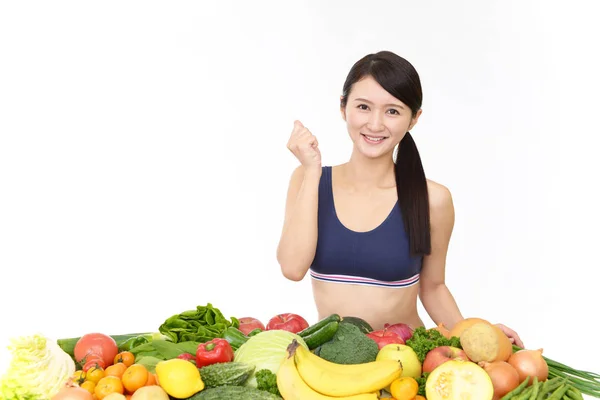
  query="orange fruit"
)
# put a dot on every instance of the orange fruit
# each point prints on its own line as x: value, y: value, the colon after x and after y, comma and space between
x: 115, y: 370
x: 151, y: 380
x: 125, y: 357
x: 419, y: 397
x: 134, y: 377
x: 107, y: 385
x: 404, y: 388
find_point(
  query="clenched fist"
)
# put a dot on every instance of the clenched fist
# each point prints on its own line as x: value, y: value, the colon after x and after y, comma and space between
x: 305, y: 147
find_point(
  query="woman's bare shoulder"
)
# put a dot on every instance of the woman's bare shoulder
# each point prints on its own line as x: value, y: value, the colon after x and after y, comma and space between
x: 440, y: 197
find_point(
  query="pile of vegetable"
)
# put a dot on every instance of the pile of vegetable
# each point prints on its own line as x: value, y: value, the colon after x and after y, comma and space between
x: 200, y: 354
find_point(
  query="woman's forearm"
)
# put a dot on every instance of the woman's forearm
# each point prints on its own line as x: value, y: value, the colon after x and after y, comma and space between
x: 298, y: 242
x: 440, y: 305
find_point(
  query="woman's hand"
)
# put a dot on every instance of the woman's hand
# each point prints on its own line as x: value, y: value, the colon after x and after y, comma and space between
x: 512, y: 335
x: 304, y: 145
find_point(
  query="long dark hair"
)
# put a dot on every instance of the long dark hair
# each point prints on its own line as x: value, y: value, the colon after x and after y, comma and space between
x: 399, y: 78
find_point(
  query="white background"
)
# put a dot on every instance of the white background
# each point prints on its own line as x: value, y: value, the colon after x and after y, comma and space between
x: 143, y: 167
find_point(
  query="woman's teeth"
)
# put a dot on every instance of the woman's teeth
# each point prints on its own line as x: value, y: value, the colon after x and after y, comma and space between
x: 373, y: 139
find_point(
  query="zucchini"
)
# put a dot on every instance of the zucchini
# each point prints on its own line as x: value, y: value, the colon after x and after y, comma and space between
x: 323, y: 335
x: 234, y: 393
x: 359, y: 322
x: 235, y: 337
x: 314, y: 328
x: 226, y: 374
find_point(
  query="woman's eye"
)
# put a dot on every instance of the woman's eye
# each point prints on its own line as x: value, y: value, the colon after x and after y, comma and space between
x: 363, y: 106
x: 394, y: 111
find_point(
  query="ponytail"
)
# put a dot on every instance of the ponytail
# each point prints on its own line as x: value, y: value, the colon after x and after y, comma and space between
x: 413, y: 197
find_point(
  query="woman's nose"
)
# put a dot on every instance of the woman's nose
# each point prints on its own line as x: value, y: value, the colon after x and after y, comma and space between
x: 375, y: 121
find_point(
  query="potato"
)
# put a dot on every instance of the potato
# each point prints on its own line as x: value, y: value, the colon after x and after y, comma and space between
x: 153, y: 392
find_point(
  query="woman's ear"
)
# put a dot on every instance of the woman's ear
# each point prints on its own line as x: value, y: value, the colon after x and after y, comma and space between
x: 415, y: 119
x: 342, y: 109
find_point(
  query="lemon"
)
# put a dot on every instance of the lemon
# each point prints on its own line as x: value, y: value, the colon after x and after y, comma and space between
x: 179, y: 378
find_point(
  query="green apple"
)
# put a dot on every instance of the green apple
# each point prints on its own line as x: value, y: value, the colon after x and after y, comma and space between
x: 411, y: 366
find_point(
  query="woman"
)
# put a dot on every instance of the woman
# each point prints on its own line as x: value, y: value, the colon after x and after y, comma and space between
x: 373, y: 232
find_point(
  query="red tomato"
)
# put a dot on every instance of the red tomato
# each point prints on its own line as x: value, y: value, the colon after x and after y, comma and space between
x: 97, y: 344
x: 287, y: 322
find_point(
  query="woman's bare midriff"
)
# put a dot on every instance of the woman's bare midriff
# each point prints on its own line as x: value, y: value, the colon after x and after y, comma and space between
x: 376, y: 305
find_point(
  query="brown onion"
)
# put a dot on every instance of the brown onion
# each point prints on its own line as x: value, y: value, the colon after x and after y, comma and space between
x: 504, y: 377
x: 72, y: 392
x: 529, y: 363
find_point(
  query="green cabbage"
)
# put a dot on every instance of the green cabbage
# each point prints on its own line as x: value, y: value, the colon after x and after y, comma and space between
x: 38, y: 369
x: 266, y: 350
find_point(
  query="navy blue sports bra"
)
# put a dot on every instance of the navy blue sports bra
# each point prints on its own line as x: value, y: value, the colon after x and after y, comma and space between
x: 379, y: 257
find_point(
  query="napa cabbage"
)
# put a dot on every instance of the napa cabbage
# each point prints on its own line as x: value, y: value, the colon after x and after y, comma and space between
x: 266, y: 350
x: 38, y: 369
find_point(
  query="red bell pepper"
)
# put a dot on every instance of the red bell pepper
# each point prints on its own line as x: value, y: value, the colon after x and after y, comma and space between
x: 216, y: 351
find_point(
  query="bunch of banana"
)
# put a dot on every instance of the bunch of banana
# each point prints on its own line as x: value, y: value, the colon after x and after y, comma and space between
x: 306, y: 376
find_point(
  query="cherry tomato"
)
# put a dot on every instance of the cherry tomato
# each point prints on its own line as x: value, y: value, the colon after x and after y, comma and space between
x: 94, y: 363
x: 94, y: 374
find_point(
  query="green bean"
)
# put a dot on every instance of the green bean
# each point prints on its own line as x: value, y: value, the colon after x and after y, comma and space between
x: 516, y: 391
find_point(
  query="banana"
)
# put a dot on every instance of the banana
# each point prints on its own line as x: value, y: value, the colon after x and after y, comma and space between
x: 292, y: 387
x: 338, y: 380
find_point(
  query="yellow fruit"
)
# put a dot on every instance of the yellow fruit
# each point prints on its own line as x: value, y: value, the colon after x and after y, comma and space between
x: 90, y: 386
x: 179, y: 378
x: 292, y: 386
x: 411, y: 366
x: 404, y: 388
x: 338, y: 380
x: 150, y: 393
x: 454, y: 378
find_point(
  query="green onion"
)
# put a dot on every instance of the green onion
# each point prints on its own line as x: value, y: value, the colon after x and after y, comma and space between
x: 585, y: 381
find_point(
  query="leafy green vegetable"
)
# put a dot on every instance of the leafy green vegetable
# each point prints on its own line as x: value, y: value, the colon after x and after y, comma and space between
x: 266, y: 350
x: 200, y: 325
x: 163, y: 349
x: 422, y: 381
x: 423, y: 340
x: 38, y: 369
x: 267, y: 381
x: 149, y: 362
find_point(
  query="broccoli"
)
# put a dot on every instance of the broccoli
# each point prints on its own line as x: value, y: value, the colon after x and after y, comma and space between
x: 349, y: 345
x: 267, y: 381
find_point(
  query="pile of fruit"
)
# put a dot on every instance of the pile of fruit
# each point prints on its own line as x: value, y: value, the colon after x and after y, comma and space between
x: 201, y: 355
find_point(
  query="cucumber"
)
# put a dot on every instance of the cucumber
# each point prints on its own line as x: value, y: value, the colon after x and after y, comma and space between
x: 323, y: 335
x: 226, y: 374
x: 316, y: 327
x: 235, y: 337
x: 359, y: 322
x: 234, y: 393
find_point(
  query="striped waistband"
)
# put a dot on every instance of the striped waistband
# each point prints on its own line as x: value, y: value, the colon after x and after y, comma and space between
x: 359, y: 280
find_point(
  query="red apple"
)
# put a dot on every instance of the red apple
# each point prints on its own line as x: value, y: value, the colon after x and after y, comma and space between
x: 384, y: 337
x: 287, y: 322
x: 248, y: 324
x: 440, y: 355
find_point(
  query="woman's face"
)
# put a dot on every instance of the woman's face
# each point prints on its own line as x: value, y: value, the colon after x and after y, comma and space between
x: 376, y: 120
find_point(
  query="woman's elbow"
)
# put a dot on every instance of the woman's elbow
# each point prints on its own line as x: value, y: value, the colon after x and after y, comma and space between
x: 292, y: 272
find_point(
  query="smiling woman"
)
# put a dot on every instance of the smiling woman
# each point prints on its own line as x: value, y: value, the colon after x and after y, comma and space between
x: 374, y: 231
